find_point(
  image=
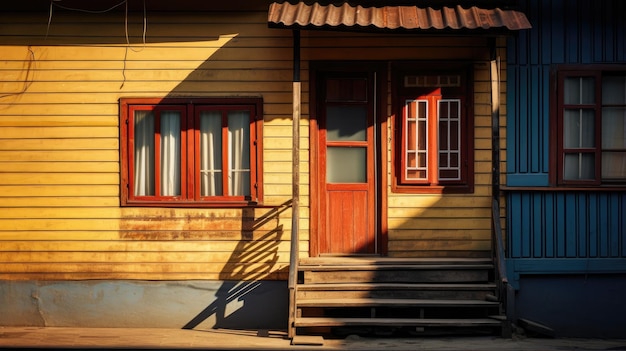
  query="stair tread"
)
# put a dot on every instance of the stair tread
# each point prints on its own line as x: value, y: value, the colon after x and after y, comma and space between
x: 353, y: 302
x: 394, y: 286
x: 392, y: 267
x: 333, y: 322
x: 320, y: 261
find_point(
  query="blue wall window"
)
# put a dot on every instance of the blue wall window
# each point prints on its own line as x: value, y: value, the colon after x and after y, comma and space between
x: 591, y: 124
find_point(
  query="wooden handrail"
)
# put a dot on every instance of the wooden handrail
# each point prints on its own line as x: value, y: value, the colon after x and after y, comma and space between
x: 498, y: 248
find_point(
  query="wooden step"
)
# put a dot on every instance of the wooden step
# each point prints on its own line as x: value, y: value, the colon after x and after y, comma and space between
x: 364, y: 302
x: 395, y: 274
x: 395, y: 290
x: 396, y: 286
x: 398, y: 322
x: 380, y: 291
x: 394, y: 267
x: 381, y: 261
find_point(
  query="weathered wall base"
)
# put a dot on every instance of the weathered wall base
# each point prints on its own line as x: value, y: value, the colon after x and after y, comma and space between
x: 176, y: 304
x: 575, y: 305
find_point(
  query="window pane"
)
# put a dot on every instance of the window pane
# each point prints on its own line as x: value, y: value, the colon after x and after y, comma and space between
x: 578, y: 128
x: 346, y: 123
x: 211, y: 153
x: 143, y: 181
x: 422, y: 159
x: 614, y: 128
x: 416, y: 124
x: 579, y: 90
x: 346, y: 165
x: 449, y: 135
x: 614, y: 165
x: 170, y: 153
x: 444, y: 135
x: 239, y: 153
x: 614, y: 90
x: 579, y: 166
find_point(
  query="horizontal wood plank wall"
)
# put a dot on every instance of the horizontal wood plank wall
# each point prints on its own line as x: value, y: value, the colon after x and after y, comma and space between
x: 60, y: 214
x: 59, y: 146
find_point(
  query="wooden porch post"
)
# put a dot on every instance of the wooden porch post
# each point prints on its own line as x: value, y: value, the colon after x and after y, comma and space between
x: 295, y: 200
x: 495, y: 119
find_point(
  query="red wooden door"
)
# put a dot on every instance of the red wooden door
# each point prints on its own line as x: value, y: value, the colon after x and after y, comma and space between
x: 347, y: 164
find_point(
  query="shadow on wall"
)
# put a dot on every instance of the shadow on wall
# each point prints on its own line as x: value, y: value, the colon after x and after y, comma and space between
x: 243, y: 297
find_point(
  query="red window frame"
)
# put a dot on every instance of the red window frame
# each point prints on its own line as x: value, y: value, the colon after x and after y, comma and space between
x: 432, y: 94
x: 190, y: 109
x: 596, y: 72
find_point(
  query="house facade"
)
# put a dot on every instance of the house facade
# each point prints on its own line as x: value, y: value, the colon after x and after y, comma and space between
x: 150, y: 176
x: 565, y: 170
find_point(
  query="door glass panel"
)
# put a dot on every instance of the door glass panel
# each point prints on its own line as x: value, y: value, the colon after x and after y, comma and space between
x: 346, y: 164
x: 346, y: 123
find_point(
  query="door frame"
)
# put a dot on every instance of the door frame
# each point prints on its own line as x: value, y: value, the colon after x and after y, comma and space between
x: 382, y: 147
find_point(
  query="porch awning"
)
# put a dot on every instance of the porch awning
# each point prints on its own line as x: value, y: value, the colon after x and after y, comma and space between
x: 393, y: 18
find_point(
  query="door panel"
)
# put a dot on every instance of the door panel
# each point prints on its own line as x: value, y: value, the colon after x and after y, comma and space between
x: 347, y: 172
x: 348, y: 222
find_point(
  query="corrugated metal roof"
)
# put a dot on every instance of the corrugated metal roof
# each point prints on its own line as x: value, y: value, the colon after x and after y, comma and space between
x: 301, y: 14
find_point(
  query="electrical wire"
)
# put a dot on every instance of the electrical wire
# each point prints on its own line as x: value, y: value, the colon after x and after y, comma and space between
x: 52, y: 2
x: 144, y: 29
x: 128, y: 46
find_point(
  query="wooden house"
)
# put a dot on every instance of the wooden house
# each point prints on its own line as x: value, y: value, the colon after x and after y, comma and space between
x: 357, y: 181
x: 566, y: 167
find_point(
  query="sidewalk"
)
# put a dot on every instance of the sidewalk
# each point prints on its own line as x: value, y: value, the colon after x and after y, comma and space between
x: 181, y: 339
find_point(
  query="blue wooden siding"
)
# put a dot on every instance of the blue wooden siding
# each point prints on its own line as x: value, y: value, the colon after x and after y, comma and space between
x: 564, y: 32
x: 552, y: 231
x: 566, y: 225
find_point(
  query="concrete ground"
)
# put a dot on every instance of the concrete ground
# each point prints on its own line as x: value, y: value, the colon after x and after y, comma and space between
x: 181, y: 339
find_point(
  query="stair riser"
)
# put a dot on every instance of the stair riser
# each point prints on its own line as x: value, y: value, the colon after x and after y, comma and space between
x: 397, y: 294
x: 412, y: 276
x: 399, y: 313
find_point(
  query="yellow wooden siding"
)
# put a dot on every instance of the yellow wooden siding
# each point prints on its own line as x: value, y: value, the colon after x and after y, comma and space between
x: 59, y: 146
x: 453, y: 224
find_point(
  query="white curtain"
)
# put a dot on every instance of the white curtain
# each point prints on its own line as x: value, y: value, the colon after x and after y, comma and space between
x: 170, y: 153
x: 579, y: 128
x: 211, y: 153
x: 614, y: 128
x: 144, y: 154
x: 239, y: 153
